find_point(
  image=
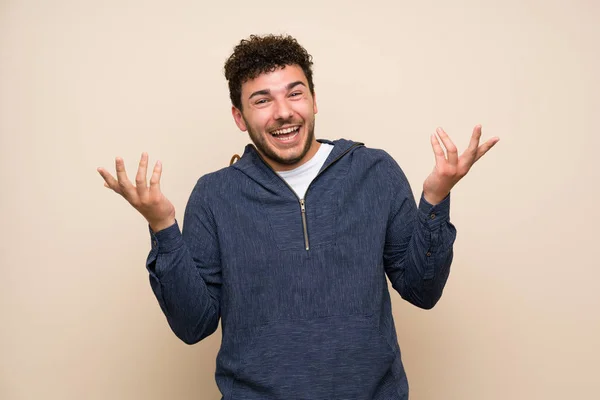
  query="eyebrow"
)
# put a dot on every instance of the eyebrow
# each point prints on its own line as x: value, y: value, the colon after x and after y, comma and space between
x: 268, y: 91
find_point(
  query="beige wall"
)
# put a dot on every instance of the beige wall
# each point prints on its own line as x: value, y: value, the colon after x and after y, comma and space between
x: 84, y: 81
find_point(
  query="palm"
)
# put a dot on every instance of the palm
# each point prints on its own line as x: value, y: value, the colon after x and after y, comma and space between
x: 147, y: 199
x: 449, y: 167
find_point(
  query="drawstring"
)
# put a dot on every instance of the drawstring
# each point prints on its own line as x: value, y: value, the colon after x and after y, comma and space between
x: 234, y: 159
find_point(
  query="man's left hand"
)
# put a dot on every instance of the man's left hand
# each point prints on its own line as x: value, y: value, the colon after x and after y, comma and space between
x: 450, y: 169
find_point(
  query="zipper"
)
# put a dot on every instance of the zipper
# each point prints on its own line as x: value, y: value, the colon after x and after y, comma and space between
x: 303, y: 211
x: 302, y: 201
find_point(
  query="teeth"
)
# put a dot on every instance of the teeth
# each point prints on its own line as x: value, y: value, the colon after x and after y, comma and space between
x: 284, y: 131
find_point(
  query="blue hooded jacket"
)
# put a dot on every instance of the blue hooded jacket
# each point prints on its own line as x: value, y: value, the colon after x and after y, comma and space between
x: 300, y: 285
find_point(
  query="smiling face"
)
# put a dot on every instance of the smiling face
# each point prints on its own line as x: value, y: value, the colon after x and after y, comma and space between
x: 279, y: 115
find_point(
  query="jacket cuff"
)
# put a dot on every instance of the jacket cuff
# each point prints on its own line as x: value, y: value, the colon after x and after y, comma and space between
x: 166, y: 240
x: 434, y: 215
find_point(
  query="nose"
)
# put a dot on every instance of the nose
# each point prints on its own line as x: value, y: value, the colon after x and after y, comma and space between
x: 283, y: 110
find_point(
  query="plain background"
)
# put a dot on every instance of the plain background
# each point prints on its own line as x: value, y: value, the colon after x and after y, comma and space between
x: 84, y: 81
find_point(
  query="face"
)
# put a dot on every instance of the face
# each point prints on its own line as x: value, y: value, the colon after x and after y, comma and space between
x: 279, y: 115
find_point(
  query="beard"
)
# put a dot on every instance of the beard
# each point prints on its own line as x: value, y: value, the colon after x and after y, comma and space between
x: 260, y: 141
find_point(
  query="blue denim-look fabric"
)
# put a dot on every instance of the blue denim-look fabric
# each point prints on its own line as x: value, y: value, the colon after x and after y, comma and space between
x: 297, y: 323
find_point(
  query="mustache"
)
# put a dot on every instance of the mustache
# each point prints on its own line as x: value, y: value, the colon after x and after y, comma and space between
x: 282, y: 124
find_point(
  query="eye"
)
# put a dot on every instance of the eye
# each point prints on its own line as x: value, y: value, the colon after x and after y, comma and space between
x: 260, y: 101
x: 295, y: 94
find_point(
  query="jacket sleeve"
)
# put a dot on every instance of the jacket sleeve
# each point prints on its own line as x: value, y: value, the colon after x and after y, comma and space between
x: 185, y: 272
x: 419, y: 243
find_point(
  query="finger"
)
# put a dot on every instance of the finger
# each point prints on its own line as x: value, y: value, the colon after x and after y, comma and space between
x: 140, y: 178
x: 125, y: 185
x: 109, y: 181
x: 450, y: 147
x: 484, y: 148
x: 440, y: 156
x: 155, y: 179
x: 475, y: 138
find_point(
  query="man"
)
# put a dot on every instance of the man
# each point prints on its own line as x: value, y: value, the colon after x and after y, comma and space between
x: 290, y: 246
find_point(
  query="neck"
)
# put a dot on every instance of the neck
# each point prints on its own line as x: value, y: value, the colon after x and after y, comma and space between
x: 278, y: 167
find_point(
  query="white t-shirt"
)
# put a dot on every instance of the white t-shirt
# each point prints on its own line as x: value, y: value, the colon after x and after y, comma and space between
x: 299, y: 178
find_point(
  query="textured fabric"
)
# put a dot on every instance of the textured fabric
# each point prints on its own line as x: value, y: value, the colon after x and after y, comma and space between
x: 297, y: 323
x: 300, y: 178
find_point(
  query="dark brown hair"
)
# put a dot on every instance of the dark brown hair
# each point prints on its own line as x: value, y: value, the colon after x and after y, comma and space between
x: 260, y: 54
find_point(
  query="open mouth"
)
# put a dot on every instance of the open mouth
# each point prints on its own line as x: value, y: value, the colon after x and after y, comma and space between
x: 286, y: 134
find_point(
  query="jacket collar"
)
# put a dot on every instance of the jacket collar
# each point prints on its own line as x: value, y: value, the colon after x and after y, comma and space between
x: 251, y: 160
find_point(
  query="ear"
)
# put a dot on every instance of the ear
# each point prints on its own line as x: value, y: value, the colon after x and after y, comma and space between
x: 315, y: 109
x: 239, y: 119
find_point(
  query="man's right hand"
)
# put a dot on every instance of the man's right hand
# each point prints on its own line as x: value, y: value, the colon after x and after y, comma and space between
x: 148, y: 200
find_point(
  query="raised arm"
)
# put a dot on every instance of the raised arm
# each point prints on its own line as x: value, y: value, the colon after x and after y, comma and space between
x: 419, y: 242
x: 184, y: 269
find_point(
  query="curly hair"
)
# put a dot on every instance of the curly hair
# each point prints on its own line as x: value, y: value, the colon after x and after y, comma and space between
x: 260, y: 54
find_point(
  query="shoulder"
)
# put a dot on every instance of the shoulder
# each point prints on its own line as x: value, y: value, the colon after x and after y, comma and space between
x: 360, y: 151
x: 374, y: 154
x: 212, y: 184
x: 379, y: 165
x: 375, y: 157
